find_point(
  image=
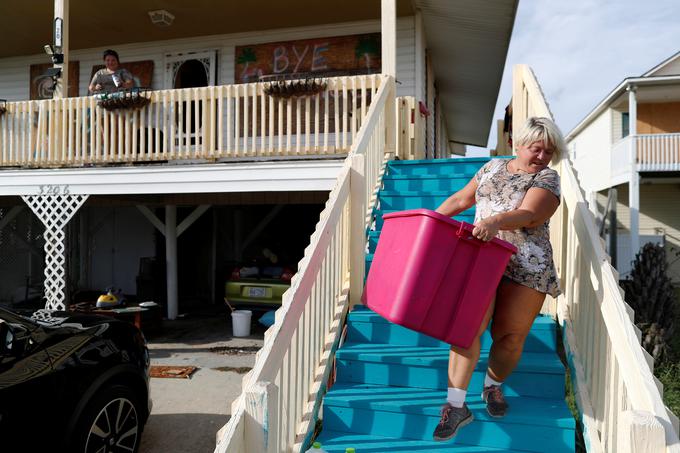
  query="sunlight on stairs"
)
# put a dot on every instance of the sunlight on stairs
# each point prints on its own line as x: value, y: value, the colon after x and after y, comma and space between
x: 391, y: 381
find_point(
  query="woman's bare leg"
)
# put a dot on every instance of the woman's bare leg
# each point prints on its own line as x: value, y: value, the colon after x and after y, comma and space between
x: 516, y: 308
x: 462, y: 362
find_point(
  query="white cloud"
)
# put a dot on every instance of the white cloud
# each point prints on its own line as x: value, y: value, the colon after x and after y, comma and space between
x: 581, y: 49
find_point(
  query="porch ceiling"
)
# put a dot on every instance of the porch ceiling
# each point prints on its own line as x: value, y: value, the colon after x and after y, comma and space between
x: 27, y: 25
x: 650, y: 94
x: 468, y: 42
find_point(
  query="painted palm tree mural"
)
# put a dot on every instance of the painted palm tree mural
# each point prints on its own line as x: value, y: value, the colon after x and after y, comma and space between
x: 367, y: 48
x: 247, y: 57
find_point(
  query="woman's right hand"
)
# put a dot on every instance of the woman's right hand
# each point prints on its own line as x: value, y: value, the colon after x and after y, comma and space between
x: 486, y: 229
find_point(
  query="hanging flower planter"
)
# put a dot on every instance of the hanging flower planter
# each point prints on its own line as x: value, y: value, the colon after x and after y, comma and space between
x: 3, y: 106
x: 294, y: 88
x: 129, y: 99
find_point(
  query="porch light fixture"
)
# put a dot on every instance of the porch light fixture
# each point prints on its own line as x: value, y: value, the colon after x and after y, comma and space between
x: 161, y: 18
x: 54, y: 53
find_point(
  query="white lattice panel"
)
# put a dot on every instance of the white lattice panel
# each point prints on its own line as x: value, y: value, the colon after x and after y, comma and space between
x: 55, y: 211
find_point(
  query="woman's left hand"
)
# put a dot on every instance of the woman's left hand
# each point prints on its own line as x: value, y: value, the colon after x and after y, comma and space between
x: 485, y: 230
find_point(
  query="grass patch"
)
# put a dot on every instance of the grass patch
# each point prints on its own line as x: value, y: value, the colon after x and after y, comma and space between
x: 570, y: 396
x: 669, y: 375
x: 237, y: 369
x: 668, y: 371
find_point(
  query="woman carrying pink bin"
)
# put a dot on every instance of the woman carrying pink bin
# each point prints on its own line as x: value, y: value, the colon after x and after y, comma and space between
x: 514, y: 201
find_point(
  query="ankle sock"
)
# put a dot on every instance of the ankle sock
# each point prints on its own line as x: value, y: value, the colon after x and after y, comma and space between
x: 456, y: 397
x: 489, y: 381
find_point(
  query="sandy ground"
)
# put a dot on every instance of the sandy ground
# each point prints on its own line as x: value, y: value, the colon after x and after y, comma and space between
x: 188, y: 412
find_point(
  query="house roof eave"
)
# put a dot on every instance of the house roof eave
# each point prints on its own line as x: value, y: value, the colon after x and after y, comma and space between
x: 614, y: 94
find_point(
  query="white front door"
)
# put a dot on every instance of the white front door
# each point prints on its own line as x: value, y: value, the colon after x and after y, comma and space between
x: 189, y: 70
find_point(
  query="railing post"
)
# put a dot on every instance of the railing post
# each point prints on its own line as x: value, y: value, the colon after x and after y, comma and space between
x: 640, y: 431
x: 357, y: 233
x: 391, y: 118
x: 262, y: 424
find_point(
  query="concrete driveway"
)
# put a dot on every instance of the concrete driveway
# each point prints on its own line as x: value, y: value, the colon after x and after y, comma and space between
x: 188, y: 412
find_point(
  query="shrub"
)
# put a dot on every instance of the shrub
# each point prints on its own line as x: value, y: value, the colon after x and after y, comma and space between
x: 650, y: 293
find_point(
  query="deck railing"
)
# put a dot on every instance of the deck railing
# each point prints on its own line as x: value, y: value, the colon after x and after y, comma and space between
x: 216, y: 122
x: 652, y: 152
x: 658, y: 152
x: 620, y: 403
x: 277, y: 409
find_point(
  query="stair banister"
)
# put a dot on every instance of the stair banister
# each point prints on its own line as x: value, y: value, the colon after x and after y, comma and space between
x: 282, y: 393
x: 621, y: 407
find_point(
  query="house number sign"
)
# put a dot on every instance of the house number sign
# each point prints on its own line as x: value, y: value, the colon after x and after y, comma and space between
x: 53, y: 189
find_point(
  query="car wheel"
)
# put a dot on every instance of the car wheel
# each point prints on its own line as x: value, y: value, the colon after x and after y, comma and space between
x: 111, y: 422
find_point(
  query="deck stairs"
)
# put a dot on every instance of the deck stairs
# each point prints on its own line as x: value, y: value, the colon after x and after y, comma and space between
x: 391, y: 381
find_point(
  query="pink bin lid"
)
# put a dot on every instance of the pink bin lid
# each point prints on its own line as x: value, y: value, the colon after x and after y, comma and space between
x: 454, y: 223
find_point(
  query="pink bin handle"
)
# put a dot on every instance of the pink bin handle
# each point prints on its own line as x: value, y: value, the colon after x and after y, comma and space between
x: 461, y: 233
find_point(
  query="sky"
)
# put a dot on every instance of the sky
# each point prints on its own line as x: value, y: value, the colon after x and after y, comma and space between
x: 580, y: 50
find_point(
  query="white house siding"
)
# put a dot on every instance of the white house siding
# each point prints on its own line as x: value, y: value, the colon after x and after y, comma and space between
x: 14, y: 72
x: 672, y: 68
x: 591, y: 150
x: 657, y: 217
x: 617, y: 125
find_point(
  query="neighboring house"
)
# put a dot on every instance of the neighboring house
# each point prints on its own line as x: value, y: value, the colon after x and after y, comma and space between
x: 119, y: 186
x: 631, y: 142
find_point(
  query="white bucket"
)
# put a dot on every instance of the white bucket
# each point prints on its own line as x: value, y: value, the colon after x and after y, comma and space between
x: 240, y: 322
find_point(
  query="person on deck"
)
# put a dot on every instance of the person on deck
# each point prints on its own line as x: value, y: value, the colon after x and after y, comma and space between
x: 112, y: 77
x: 515, y: 199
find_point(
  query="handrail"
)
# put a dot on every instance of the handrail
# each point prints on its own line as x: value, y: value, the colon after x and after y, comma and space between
x: 216, y: 122
x: 281, y: 395
x: 622, y: 409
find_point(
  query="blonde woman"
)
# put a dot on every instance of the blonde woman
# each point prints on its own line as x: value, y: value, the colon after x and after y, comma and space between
x: 514, y: 199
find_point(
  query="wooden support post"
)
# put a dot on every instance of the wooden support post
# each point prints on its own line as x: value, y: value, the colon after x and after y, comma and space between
x: 191, y: 218
x: 261, y: 429
x: 213, y: 259
x: 634, y: 208
x: 613, y: 230
x: 388, y: 23
x: 357, y: 243
x: 61, y: 13
x: 634, y: 186
x: 151, y: 217
x: 171, y: 260
x: 84, y: 261
x: 640, y: 431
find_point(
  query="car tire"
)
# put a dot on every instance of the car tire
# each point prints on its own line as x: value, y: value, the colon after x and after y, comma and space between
x: 111, y: 422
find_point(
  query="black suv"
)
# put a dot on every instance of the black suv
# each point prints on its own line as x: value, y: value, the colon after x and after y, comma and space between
x: 73, y: 383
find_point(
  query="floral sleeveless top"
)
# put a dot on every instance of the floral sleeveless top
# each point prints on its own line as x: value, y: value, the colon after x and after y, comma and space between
x: 499, y: 191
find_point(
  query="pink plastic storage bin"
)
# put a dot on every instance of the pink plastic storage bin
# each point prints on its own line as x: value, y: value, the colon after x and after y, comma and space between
x: 431, y: 275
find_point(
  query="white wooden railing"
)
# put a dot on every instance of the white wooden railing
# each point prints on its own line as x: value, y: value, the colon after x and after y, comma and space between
x: 216, y: 122
x: 620, y: 403
x: 658, y: 152
x: 278, y: 407
x: 646, y: 152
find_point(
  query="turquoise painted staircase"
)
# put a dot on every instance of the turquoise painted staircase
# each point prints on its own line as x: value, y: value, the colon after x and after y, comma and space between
x: 391, y: 381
